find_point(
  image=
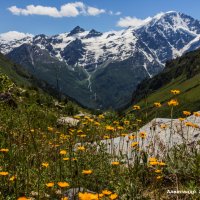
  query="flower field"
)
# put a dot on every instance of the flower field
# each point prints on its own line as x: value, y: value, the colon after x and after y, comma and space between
x: 102, y: 156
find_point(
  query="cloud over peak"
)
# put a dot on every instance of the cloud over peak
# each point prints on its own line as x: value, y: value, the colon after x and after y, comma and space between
x: 67, y: 10
x: 132, y: 21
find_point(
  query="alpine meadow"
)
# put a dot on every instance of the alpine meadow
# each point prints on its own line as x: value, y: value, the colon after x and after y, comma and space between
x: 106, y: 112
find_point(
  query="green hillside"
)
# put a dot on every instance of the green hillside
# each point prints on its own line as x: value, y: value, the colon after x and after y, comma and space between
x: 14, y: 71
x: 182, y: 74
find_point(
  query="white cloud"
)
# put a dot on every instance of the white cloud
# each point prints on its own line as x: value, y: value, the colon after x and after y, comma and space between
x: 95, y: 11
x: 132, y: 21
x: 114, y: 13
x: 14, y: 35
x: 66, y: 10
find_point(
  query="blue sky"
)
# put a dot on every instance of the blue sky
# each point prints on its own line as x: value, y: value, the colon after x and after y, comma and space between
x: 57, y: 16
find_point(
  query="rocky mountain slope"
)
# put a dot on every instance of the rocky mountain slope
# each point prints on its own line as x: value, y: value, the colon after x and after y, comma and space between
x: 101, y: 70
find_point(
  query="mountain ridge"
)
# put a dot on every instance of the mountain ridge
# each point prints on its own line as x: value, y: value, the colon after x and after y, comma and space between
x: 99, y: 57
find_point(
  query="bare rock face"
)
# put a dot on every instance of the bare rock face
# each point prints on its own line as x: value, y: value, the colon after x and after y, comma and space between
x: 68, y: 121
x: 73, y: 192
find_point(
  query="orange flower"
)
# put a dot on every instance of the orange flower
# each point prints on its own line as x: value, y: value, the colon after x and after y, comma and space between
x: 161, y: 164
x: 124, y: 134
x: 110, y: 128
x: 63, y: 184
x: 4, y: 173
x: 106, y: 192
x: 131, y: 137
x: 136, y: 107
x: 50, y: 129
x: 4, y: 150
x: 158, y: 171
x: 66, y: 158
x: 63, y: 152
x: 143, y: 135
x: 81, y: 148
x: 23, y: 198
x: 175, y: 92
x: 157, y: 104
x: 87, y: 172
x: 106, y: 137
x: 134, y: 144
x: 45, y: 164
x: 126, y: 122
x: 113, y: 196
x: 51, y: 184
x: 187, y: 113
x: 12, y: 178
x: 173, y: 102
x: 159, y: 177
x: 196, y: 114
x: 101, y: 116
x: 64, y: 198
x: 115, y: 163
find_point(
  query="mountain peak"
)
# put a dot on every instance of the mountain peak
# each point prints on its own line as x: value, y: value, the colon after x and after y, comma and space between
x: 93, y: 33
x: 76, y: 30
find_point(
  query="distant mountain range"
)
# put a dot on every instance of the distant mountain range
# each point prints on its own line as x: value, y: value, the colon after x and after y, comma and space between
x: 101, y: 70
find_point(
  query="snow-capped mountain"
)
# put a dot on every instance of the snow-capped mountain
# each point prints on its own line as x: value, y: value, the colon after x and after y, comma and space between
x: 114, y: 61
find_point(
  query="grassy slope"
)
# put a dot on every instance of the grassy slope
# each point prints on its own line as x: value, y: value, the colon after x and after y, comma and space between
x: 27, y: 90
x: 183, y: 74
x: 13, y: 71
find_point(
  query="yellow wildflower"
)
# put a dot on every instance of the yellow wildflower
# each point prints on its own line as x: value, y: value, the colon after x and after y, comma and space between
x: 124, y: 134
x: 157, y: 104
x: 50, y: 129
x: 50, y: 184
x: 63, y: 152
x: 4, y: 150
x: 126, y: 122
x: 120, y: 128
x: 187, y: 113
x: 12, y: 178
x: 64, y: 198
x: 101, y: 116
x: 159, y: 177
x: 196, y: 114
x: 87, y: 196
x: 106, y: 192
x: 158, y: 171
x: 63, y: 184
x: 175, y: 92
x: 81, y: 148
x: 45, y: 164
x: 134, y: 144
x: 131, y: 137
x: 115, y: 163
x: 113, y: 196
x: 143, y: 135
x: 97, y: 123
x: 110, y: 128
x: 161, y: 164
x: 23, y: 198
x: 181, y: 119
x: 173, y: 102
x: 87, y: 172
x: 136, y: 107
x: 4, y: 173
x: 106, y: 137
